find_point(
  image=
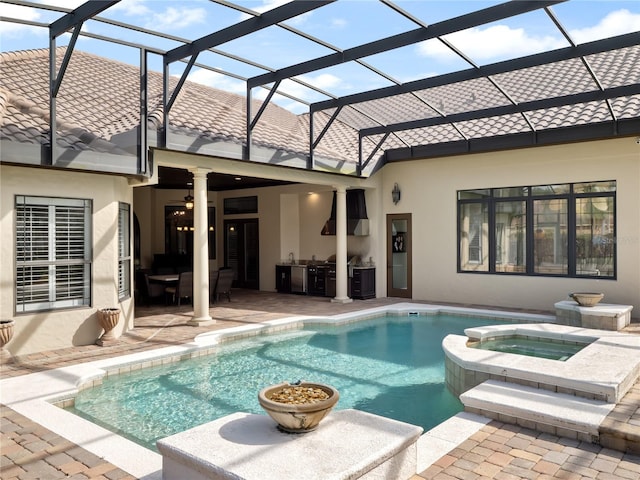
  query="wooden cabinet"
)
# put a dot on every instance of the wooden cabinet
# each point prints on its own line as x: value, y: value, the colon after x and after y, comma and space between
x: 363, y: 283
x: 283, y: 278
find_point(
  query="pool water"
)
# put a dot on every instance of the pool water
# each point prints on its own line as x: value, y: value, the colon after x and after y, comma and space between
x: 533, y: 347
x: 391, y: 366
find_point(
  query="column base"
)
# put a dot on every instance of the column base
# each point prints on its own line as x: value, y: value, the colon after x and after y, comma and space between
x: 341, y: 300
x: 201, y: 322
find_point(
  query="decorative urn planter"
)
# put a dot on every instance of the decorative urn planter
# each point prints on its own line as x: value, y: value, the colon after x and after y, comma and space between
x: 6, y: 334
x: 108, y: 318
x: 586, y: 299
x: 298, y: 407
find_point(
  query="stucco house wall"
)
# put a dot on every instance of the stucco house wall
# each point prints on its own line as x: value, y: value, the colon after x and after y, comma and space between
x: 429, y: 193
x: 34, y: 332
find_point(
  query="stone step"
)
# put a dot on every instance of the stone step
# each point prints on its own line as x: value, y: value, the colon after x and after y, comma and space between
x: 557, y: 413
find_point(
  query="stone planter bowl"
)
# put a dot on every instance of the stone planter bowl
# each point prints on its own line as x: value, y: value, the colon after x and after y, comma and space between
x: 298, y: 418
x: 586, y: 299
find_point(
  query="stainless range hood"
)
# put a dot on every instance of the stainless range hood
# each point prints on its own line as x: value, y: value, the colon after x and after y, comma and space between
x: 357, y: 220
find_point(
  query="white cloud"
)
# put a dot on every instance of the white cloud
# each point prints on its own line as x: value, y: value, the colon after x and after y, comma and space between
x: 482, y: 44
x: 501, y: 41
x: 615, y: 23
x: 338, y: 23
x: 229, y: 84
x: 217, y: 80
x: 323, y: 81
x: 131, y: 7
x: 171, y: 18
x: 14, y: 30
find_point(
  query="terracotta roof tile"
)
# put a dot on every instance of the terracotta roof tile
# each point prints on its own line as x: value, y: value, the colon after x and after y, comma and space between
x: 98, y: 100
x: 99, y: 97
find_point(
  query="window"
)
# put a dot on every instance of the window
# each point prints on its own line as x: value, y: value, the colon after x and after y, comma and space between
x: 53, y: 253
x: 474, y: 222
x: 179, y: 229
x: 124, y: 251
x: 238, y: 205
x: 560, y: 230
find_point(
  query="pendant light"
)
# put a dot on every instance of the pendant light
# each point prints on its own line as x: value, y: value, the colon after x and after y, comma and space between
x: 188, y: 201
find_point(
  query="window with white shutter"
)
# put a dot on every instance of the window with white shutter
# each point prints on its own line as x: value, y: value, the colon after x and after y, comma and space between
x: 53, y: 253
x: 124, y: 251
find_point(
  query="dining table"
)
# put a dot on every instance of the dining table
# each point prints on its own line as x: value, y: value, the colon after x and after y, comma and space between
x: 164, y: 278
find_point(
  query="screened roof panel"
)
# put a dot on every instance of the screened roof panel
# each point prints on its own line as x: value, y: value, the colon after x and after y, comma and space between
x: 431, y: 12
x: 398, y: 108
x: 421, y: 72
x: 626, y: 107
x: 474, y: 94
x: 562, y: 78
x: 507, y: 38
x: 356, y: 119
x: 285, y: 47
x: 494, y: 126
x: 346, y: 28
x: 617, y: 68
x: 566, y: 116
x: 414, y: 61
x: 431, y: 135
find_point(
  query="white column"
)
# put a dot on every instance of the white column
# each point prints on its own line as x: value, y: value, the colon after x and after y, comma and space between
x: 341, y: 246
x: 200, y: 250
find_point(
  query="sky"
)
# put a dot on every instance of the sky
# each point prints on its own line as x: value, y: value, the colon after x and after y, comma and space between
x: 343, y: 24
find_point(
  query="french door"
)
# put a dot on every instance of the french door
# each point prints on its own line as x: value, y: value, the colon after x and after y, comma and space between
x: 241, y: 252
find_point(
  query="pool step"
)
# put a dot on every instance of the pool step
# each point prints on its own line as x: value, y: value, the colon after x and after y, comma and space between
x: 542, y: 410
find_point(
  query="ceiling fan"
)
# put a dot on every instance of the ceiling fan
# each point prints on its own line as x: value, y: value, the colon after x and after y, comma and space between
x: 188, y: 200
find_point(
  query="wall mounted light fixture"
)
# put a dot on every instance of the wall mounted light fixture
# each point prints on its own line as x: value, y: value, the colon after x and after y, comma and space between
x: 395, y: 194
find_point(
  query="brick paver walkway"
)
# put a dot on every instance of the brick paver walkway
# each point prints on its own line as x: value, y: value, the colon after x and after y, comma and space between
x: 508, y: 452
x: 498, y: 451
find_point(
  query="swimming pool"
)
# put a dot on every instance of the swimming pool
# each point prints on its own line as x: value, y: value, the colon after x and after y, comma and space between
x: 391, y: 366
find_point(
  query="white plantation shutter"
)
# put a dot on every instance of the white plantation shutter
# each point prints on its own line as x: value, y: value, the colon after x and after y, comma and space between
x: 53, y: 253
x: 124, y: 251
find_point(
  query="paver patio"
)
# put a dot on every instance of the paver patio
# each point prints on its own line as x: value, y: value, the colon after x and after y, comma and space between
x: 499, y: 451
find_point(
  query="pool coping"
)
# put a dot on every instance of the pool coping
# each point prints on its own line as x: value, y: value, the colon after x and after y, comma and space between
x: 37, y: 395
x: 612, y: 379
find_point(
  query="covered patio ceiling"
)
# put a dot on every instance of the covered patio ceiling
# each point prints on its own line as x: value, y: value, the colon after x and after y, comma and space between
x: 566, y: 90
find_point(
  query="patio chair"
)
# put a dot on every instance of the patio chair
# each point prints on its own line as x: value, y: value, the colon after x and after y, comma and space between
x: 213, y: 283
x: 225, y: 279
x: 152, y: 290
x: 184, y: 288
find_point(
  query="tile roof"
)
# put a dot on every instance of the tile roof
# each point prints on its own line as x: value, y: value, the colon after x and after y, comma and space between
x: 98, y: 100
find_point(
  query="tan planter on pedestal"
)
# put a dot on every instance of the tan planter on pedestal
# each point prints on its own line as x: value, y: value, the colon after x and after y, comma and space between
x: 6, y: 333
x: 586, y: 299
x: 108, y: 319
x: 299, y: 417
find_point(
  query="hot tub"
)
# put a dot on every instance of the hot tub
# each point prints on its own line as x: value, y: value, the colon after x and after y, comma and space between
x: 552, y: 349
x: 604, y: 369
